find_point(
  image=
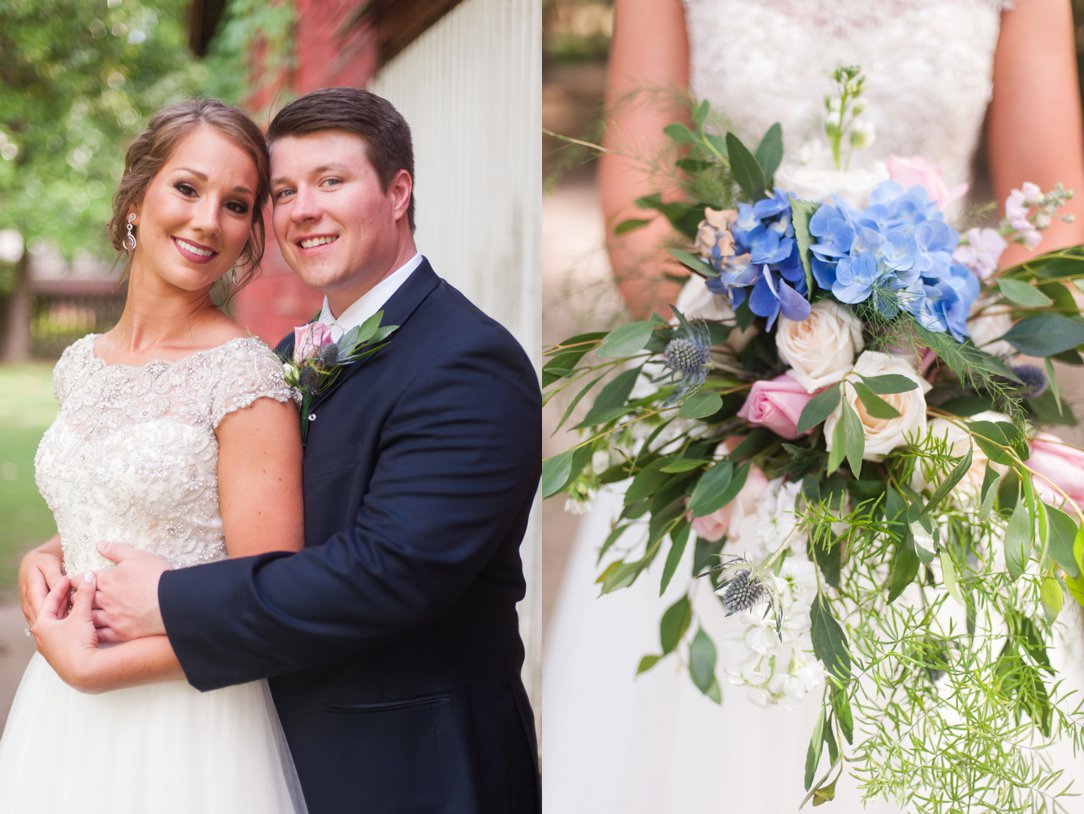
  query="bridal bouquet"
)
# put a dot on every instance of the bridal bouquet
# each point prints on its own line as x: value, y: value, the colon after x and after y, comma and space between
x: 842, y: 441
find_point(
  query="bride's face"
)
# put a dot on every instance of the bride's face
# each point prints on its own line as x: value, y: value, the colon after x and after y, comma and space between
x: 196, y: 214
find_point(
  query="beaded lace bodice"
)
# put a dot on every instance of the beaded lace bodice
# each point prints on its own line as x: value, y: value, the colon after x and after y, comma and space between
x: 928, y: 67
x: 132, y: 456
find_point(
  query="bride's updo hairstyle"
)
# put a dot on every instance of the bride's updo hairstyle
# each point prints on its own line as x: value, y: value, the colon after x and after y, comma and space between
x: 153, y: 147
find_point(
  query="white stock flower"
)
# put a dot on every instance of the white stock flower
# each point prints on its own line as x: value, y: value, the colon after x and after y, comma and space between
x: 777, y: 668
x: 821, y: 348
x: 884, y: 434
x: 774, y: 522
x: 812, y: 178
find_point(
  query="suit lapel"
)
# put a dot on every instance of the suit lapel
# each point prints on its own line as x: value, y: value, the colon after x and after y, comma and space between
x: 397, y: 310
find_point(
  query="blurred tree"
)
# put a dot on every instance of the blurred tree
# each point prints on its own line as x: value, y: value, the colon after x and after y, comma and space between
x: 77, y: 79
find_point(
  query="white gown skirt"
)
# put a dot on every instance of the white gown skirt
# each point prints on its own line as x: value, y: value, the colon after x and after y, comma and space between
x: 165, y: 748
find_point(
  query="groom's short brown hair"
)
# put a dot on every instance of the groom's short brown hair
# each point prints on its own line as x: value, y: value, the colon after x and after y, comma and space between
x: 368, y: 116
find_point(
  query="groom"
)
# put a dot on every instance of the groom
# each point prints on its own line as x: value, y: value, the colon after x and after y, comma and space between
x: 391, y: 640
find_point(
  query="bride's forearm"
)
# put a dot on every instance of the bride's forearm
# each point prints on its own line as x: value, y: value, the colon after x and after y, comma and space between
x: 141, y: 661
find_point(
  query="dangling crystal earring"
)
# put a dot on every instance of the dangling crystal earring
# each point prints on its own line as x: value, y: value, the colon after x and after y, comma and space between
x: 130, y: 239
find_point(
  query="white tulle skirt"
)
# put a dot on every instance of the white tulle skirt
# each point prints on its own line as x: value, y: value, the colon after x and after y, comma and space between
x: 164, y: 748
x: 614, y: 743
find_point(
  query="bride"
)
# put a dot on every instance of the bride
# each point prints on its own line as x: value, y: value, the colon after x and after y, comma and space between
x: 941, y: 75
x: 175, y: 432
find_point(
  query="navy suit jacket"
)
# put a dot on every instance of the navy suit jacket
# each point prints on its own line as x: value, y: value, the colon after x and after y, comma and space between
x: 391, y: 640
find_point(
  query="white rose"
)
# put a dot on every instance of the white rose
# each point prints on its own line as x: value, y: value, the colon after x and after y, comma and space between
x: 821, y: 348
x: 986, y: 327
x: 816, y: 182
x: 697, y: 301
x: 885, y: 434
x: 957, y: 441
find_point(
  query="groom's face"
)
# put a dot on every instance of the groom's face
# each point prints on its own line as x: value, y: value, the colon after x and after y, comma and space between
x: 336, y: 225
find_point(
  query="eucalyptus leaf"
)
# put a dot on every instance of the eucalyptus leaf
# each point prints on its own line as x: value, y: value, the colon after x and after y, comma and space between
x: 1061, y: 533
x: 962, y: 467
x: 611, y: 400
x: 904, y: 567
x: 679, y: 539
x: 625, y: 340
x: 1018, y: 540
x: 693, y: 263
x: 1020, y: 293
x: 841, y: 706
x: 889, y: 383
x: 1046, y: 334
x: 702, y: 660
x: 747, y: 172
x: 854, y: 438
x: 948, y: 575
x: 818, y: 408
x: 556, y: 472
x: 770, y: 152
x: 839, y: 447
x: 813, y: 751
x: 701, y: 405
x: 683, y: 464
x: 675, y: 621
x: 801, y: 213
x: 710, y: 488
x: 1051, y: 596
x: 874, y: 404
x: 829, y: 642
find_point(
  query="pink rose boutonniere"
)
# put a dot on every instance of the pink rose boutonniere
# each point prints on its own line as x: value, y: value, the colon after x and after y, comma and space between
x: 316, y: 361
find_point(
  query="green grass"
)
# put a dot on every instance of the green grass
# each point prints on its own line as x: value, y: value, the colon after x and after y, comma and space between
x: 27, y: 408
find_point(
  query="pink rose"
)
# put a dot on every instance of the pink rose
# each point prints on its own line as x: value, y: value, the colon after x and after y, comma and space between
x: 776, y: 404
x: 1055, y: 463
x: 918, y: 172
x: 309, y: 340
x: 726, y: 520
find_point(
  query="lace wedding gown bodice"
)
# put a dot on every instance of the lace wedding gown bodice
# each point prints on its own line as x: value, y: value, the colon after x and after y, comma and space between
x: 928, y: 67
x: 132, y: 457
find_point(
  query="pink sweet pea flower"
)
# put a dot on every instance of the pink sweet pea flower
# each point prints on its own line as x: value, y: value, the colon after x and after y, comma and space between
x: 309, y: 340
x: 776, y: 404
x: 1056, y: 463
x: 915, y: 171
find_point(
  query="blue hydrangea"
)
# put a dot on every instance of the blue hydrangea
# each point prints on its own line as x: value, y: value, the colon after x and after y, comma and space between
x: 896, y: 255
x: 766, y: 268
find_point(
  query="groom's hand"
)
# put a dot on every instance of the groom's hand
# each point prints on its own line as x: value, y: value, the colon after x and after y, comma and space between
x: 126, y: 604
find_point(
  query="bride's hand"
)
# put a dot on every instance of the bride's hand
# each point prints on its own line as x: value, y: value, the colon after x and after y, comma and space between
x: 67, y: 639
x: 39, y: 570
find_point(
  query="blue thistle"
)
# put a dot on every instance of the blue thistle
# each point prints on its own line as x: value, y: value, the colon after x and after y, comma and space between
x: 329, y: 355
x: 743, y: 585
x: 742, y: 592
x: 688, y: 357
x: 1033, y: 380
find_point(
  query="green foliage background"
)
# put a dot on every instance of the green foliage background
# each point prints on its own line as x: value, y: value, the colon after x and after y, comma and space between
x: 79, y: 78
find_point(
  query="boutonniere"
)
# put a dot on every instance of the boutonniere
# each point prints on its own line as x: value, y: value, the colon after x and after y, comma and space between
x: 317, y: 361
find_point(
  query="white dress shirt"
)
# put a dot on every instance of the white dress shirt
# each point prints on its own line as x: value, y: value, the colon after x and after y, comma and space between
x: 368, y: 303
